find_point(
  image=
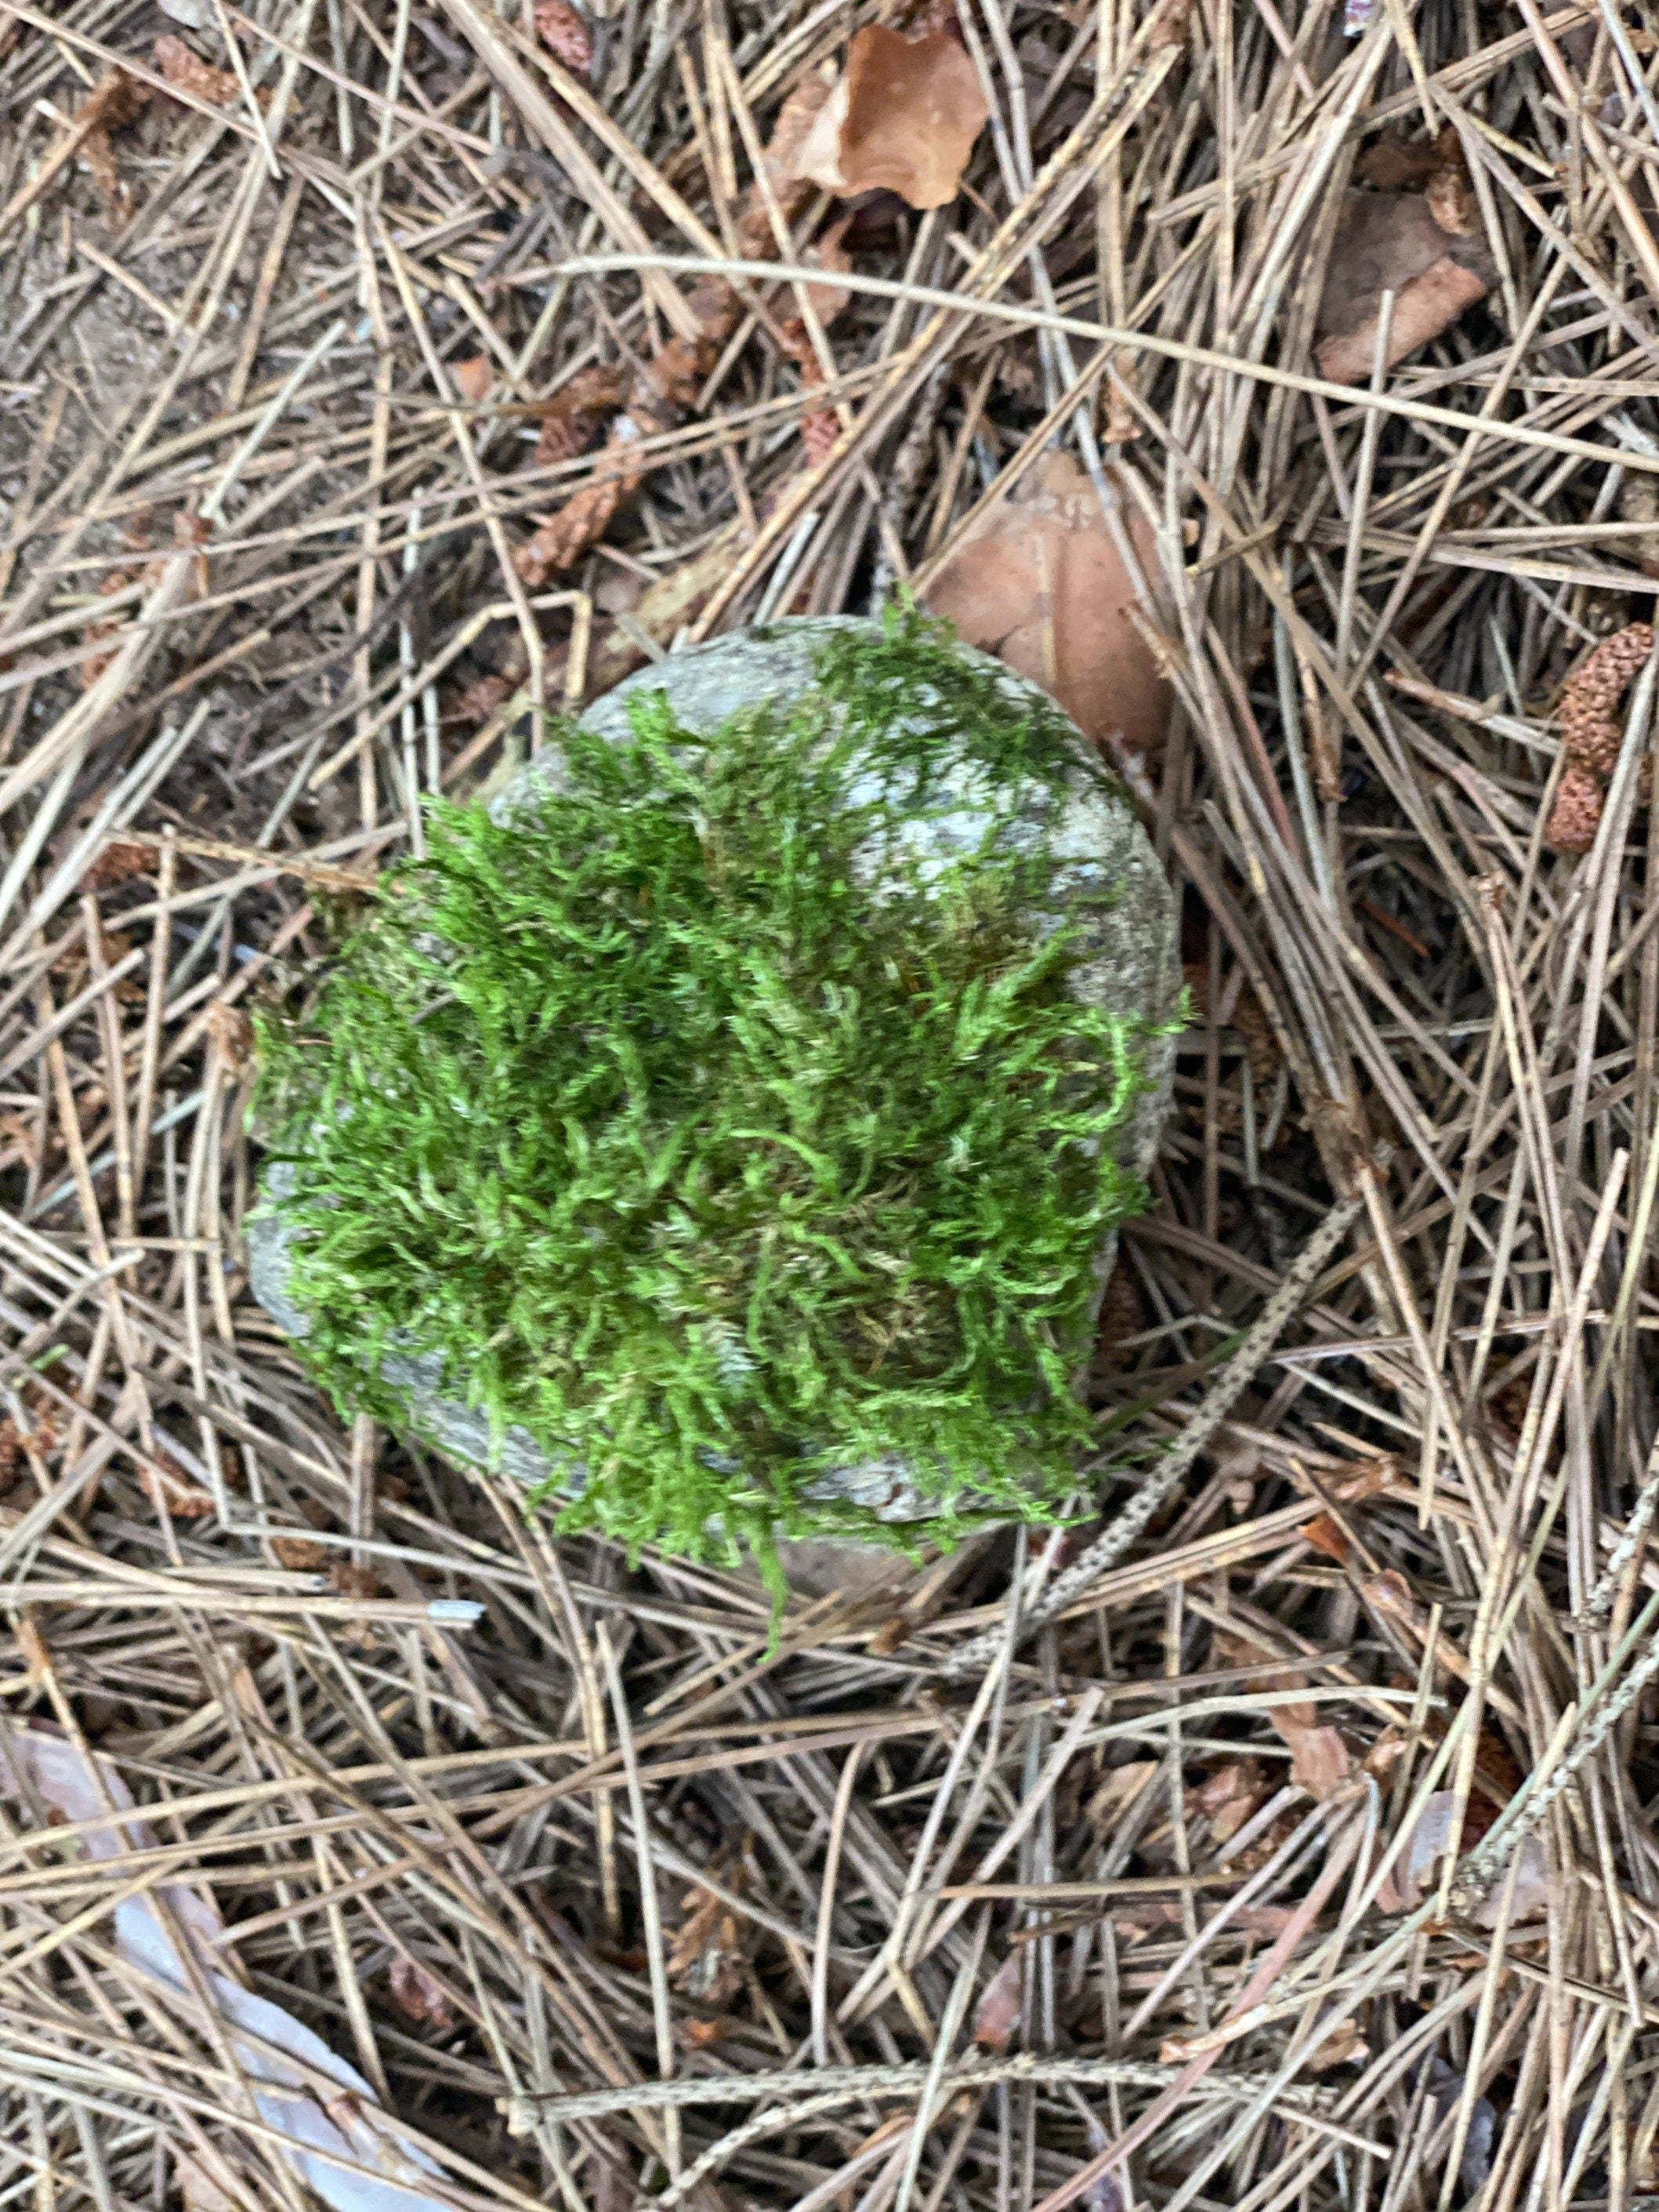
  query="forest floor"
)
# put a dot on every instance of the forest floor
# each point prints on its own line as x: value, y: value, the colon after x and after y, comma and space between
x: 1278, y: 386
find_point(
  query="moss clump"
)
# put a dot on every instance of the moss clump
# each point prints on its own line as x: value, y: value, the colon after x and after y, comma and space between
x: 704, y: 1133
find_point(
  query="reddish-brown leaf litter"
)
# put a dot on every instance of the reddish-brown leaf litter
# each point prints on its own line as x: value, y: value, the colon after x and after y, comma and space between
x: 1274, y: 385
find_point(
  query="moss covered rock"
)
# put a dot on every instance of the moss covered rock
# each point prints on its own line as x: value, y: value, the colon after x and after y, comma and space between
x: 726, y: 1135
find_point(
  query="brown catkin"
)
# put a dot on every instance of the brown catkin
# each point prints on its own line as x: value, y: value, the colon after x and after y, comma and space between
x: 1592, y: 733
x: 1577, y: 814
x: 1591, y: 728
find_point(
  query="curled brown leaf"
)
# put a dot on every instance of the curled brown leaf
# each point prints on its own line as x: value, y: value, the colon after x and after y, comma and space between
x: 1319, y: 1758
x: 1391, y: 242
x: 904, y: 118
x: 1327, y: 1536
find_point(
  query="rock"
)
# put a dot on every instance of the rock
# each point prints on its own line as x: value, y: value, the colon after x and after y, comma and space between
x: 1132, y: 967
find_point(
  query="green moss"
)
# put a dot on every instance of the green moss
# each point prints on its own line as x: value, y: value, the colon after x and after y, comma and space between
x: 699, y: 1155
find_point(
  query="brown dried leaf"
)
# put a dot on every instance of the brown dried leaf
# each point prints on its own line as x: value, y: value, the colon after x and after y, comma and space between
x: 903, y: 119
x: 1429, y: 1840
x: 100, y: 156
x: 709, y: 1951
x: 182, y: 66
x: 566, y: 536
x: 1141, y: 1915
x: 298, y: 1554
x: 1228, y: 1797
x: 475, y: 377
x: 1328, y: 1536
x: 1390, y: 241
x: 565, y: 34
x: 1138, y: 1917
x: 1424, y: 307
x: 1390, y: 1593
x: 679, y: 372
x: 1436, y: 164
x: 362, y: 1583
x: 1039, y: 582
x: 192, y: 532
x: 1319, y: 1758
x: 782, y: 153
x: 1382, y: 241
x: 11, y: 1443
x: 820, y: 430
x: 672, y: 383
x: 420, y: 1996
x: 112, y: 103
x: 1385, y: 1754
x: 1271, y: 1839
x: 572, y: 417
x: 829, y: 253
x: 97, y: 664
x: 1451, y: 203
x: 1396, y: 165
x: 996, y: 2014
x: 818, y: 434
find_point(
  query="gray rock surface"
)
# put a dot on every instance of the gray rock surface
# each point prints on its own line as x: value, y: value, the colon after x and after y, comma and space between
x: 1134, y: 968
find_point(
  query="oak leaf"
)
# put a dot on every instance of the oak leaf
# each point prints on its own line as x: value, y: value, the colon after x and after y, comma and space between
x: 1039, y: 582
